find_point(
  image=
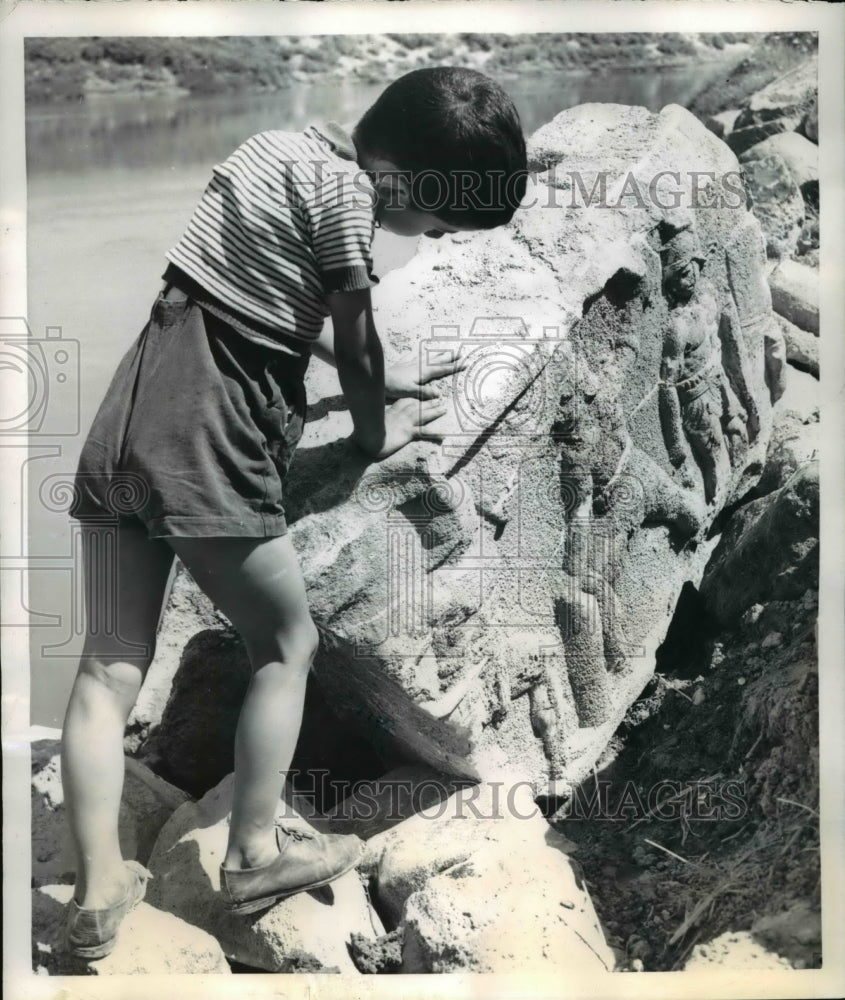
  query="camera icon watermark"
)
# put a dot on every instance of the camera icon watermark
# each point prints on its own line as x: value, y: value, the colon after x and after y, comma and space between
x: 502, y: 382
x: 48, y: 369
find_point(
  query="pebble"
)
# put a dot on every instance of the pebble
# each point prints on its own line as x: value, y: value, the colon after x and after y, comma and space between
x: 752, y: 614
x: 740, y: 681
x: 772, y: 639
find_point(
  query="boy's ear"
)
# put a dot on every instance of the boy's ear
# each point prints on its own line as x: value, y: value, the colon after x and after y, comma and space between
x: 393, y: 188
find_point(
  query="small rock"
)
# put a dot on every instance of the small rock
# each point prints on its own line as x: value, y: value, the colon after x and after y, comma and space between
x: 149, y: 942
x: 377, y: 956
x: 698, y: 696
x: 772, y: 639
x: 740, y: 681
x: 751, y: 616
x: 795, y: 294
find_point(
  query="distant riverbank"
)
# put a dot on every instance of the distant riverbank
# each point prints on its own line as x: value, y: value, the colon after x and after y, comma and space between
x: 75, y: 69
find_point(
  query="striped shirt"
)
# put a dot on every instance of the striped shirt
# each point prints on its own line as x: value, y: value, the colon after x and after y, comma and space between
x: 285, y: 220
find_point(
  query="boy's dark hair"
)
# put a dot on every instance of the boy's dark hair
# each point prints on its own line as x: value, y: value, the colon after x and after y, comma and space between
x: 457, y: 136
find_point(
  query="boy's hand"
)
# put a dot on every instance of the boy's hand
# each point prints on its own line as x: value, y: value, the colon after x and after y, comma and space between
x: 411, y: 379
x: 406, y: 421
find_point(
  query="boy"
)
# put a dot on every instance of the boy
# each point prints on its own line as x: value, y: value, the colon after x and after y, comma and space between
x: 191, y: 444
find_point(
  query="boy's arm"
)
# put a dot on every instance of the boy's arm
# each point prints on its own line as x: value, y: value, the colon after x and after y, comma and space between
x: 360, y: 365
x: 410, y: 379
x: 360, y: 368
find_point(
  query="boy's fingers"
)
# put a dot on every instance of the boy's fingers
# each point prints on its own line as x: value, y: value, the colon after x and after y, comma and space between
x: 430, y: 372
x: 424, y: 434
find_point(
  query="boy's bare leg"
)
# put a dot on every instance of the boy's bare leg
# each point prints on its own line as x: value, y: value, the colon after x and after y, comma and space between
x: 110, y: 675
x: 258, y: 585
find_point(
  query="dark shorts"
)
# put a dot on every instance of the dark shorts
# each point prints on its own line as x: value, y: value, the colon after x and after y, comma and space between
x: 196, y: 431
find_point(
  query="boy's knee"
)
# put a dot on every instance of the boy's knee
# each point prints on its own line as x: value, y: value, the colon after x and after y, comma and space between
x: 294, y: 647
x: 120, y: 677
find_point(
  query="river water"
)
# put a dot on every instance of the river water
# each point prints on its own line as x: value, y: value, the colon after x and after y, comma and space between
x: 111, y: 184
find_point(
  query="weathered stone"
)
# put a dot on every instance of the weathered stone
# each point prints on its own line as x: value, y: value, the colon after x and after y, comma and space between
x: 149, y: 942
x: 722, y: 124
x: 492, y: 602
x: 795, y: 934
x: 810, y: 122
x: 734, y: 950
x: 404, y: 859
x: 308, y: 932
x: 794, y: 442
x: 802, y: 394
x: 379, y: 956
x: 379, y: 805
x: 147, y: 804
x: 800, y: 156
x: 188, y: 610
x: 795, y: 294
x: 744, y: 138
x: 504, y: 911
x: 746, y: 568
x: 802, y: 348
x: 776, y: 202
x: 792, y: 93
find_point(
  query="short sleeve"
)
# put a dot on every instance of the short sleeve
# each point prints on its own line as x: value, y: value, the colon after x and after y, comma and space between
x: 342, y: 228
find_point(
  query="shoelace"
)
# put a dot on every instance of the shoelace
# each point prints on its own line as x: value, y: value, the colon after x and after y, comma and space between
x: 292, y: 831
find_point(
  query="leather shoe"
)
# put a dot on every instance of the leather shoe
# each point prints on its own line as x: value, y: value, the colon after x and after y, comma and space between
x: 306, y: 860
x: 92, y: 933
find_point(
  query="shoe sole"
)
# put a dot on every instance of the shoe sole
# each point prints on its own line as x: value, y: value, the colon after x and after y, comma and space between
x: 253, y: 905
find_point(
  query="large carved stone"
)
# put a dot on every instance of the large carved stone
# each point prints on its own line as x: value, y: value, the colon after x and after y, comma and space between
x: 491, y: 603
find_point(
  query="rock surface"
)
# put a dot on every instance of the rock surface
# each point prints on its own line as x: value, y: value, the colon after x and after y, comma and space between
x: 404, y: 859
x: 148, y: 943
x: 308, y: 932
x: 147, y: 803
x: 734, y: 950
x: 802, y: 348
x: 776, y: 201
x: 747, y: 568
x: 503, y: 911
x: 795, y: 294
x: 798, y: 153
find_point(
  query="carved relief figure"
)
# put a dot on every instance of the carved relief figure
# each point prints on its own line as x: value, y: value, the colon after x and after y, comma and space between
x: 707, y: 411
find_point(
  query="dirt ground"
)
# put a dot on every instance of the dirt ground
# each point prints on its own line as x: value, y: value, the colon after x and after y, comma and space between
x: 723, y: 745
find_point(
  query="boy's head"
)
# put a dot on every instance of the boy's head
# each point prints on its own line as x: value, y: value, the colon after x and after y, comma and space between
x: 455, y: 139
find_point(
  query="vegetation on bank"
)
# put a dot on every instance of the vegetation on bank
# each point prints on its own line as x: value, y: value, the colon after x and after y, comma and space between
x: 774, y: 54
x: 60, y: 69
